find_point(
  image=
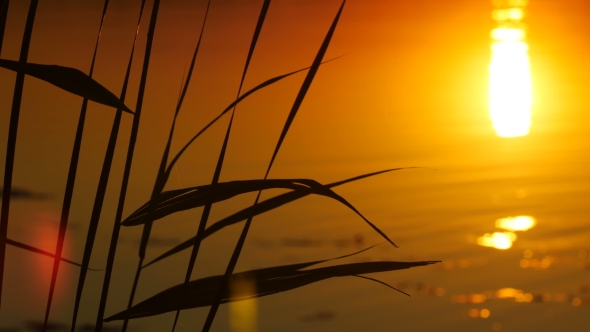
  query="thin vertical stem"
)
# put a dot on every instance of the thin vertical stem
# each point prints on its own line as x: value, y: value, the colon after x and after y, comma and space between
x: 135, y: 129
x: 3, y: 16
x: 12, y: 134
x: 123, y: 192
x: 70, y: 182
x: 199, y: 237
x: 162, y: 176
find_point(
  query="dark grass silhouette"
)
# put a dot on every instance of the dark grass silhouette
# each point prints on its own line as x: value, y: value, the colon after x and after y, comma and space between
x: 12, y: 131
x: 69, y: 192
x: 134, y: 131
x: 123, y: 193
x: 205, y: 292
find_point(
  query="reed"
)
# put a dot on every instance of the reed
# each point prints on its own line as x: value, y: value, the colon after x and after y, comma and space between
x: 3, y: 15
x: 69, y: 193
x: 123, y: 192
x: 12, y: 132
x: 205, y: 292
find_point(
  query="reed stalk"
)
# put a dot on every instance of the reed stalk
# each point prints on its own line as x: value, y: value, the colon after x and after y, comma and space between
x: 12, y: 135
x: 69, y: 192
x: 123, y: 192
x: 133, y: 139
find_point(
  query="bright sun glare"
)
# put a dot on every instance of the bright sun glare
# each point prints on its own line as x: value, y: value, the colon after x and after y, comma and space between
x: 510, y: 76
x: 515, y: 224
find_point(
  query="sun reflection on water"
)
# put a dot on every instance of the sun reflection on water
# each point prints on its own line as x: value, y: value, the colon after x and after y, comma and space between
x: 510, y: 77
x: 514, y: 224
x: 504, y: 240
x: 498, y: 240
x: 243, y: 312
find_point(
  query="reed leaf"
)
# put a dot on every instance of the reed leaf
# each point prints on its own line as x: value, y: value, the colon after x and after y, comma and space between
x: 12, y: 133
x: 294, y: 267
x: 262, y: 207
x: 69, y: 79
x: 381, y: 282
x: 269, y: 281
x: 162, y: 177
x: 177, y: 200
x: 36, y: 250
x: 184, y: 199
x: 229, y: 108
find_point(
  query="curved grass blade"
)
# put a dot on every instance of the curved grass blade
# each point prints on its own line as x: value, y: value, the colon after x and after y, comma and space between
x: 12, y: 133
x: 298, y: 100
x: 123, y: 190
x: 71, y: 179
x: 173, y: 201
x: 69, y: 79
x: 382, y: 283
x: 201, y: 292
x: 272, y: 272
x: 162, y: 177
x: 229, y: 108
x: 262, y: 207
x: 43, y: 252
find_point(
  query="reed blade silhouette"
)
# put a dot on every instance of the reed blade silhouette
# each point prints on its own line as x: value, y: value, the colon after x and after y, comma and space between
x: 184, y: 199
x: 381, y: 282
x: 294, y: 267
x: 169, y: 202
x: 69, y: 192
x: 160, y: 178
x: 298, y: 100
x: 123, y: 190
x: 36, y: 250
x: 134, y: 132
x: 202, y: 292
x: 3, y: 16
x: 233, y: 104
x: 12, y: 133
x: 69, y: 79
x: 262, y: 207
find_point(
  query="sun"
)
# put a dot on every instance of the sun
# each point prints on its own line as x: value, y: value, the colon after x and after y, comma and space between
x: 510, y: 89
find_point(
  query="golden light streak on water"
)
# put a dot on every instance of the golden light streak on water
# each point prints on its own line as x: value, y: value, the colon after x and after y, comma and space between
x: 514, y: 224
x: 243, y: 313
x: 510, y: 76
x: 508, y: 293
x: 497, y: 240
